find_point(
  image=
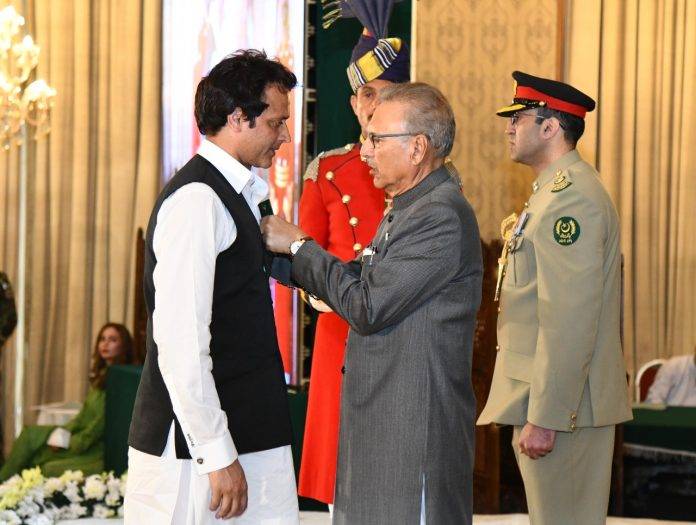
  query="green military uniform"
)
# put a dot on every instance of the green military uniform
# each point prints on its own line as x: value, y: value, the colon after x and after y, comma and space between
x: 86, y: 451
x: 559, y: 363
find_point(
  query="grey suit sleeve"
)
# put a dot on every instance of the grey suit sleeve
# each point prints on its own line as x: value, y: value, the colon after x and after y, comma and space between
x: 282, y: 266
x: 280, y: 270
x: 421, y: 259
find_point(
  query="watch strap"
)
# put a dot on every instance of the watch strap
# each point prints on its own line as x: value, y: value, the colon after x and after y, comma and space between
x: 301, y: 240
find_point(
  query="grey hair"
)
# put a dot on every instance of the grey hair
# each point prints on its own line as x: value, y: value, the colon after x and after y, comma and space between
x: 428, y: 113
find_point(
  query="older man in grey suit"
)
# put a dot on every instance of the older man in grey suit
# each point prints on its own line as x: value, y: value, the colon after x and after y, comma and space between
x: 407, y: 409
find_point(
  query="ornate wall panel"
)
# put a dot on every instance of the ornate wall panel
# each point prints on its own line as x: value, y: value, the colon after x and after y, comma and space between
x: 468, y: 49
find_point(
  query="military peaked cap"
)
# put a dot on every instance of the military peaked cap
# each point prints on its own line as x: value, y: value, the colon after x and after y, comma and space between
x: 537, y: 92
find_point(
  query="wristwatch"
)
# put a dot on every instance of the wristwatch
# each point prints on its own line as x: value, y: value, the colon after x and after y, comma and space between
x: 295, y: 245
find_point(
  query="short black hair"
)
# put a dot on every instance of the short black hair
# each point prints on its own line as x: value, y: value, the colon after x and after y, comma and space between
x: 238, y: 81
x: 573, y: 127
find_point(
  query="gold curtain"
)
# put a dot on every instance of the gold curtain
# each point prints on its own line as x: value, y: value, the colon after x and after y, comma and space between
x: 639, y: 58
x: 469, y: 49
x: 91, y: 184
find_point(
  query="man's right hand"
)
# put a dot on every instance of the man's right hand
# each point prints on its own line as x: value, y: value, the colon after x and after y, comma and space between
x: 536, y: 441
x: 228, y: 489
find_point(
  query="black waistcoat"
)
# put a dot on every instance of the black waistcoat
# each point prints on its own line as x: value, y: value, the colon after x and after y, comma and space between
x: 247, y: 366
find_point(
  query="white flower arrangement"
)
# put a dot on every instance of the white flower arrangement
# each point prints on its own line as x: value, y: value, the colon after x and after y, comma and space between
x: 31, y: 499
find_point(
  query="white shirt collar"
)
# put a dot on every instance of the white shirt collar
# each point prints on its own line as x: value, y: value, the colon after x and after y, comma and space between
x: 235, y: 173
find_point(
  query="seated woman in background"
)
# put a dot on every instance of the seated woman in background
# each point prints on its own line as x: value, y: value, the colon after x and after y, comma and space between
x: 77, y: 445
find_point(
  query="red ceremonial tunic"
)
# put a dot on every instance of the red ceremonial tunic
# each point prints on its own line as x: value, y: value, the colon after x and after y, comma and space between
x: 341, y: 209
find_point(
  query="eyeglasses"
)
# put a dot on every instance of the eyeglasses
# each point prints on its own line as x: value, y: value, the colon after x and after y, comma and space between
x: 517, y: 116
x: 375, y: 138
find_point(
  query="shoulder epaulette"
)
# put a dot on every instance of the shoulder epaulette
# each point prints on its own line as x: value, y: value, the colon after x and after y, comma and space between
x: 312, y: 171
x: 561, y: 181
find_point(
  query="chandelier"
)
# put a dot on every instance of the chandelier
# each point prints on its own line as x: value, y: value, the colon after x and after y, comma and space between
x: 20, y: 103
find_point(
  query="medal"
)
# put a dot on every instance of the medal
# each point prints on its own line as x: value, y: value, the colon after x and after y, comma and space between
x: 367, y: 254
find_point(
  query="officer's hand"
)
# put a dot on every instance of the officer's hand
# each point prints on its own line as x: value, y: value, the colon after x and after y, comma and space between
x: 278, y: 234
x: 228, y: 487
x: 535, y: 441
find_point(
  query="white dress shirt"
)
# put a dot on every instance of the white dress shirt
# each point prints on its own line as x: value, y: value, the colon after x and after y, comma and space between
x: 675, y: 383
x: 193, y: 227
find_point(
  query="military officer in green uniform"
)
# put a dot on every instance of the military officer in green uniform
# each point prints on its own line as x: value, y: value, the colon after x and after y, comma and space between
x: 559, y: 376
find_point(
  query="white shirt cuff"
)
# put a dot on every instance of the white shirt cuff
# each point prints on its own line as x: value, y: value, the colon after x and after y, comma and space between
x: 60, y: 438
x: 215, y: 455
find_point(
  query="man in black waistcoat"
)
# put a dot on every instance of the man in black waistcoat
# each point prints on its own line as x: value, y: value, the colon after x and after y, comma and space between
x: 210, y: 437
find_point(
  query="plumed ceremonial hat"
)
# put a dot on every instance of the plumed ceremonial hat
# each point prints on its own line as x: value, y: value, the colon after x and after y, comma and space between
x: 374, y: 56
x: 384, y: 58
x: 537, y: 92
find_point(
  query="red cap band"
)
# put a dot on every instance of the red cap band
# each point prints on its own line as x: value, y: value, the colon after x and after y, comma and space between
x: 551, y: 102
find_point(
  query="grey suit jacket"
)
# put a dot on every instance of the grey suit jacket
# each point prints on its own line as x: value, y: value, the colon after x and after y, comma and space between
x: 407, y: 404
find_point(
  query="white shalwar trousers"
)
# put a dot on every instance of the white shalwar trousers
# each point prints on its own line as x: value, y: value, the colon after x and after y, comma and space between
x: 164, y: 490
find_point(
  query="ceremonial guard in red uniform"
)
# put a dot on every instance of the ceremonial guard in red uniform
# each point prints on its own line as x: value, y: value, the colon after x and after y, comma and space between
x: 341, y: 209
